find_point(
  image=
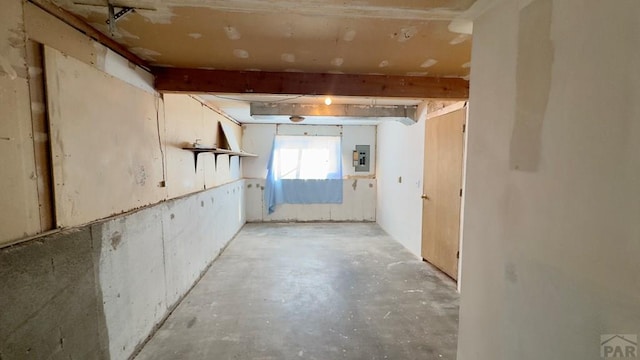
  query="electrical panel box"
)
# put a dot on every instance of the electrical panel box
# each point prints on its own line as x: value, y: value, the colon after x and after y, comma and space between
x: 361, y: 158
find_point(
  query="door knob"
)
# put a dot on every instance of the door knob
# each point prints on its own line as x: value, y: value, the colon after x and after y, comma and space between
x: 424, y: 196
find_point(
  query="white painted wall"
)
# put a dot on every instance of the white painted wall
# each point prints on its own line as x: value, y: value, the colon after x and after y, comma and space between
x: 552, y: 237
x: 399, y: 206
x: 359, y: 188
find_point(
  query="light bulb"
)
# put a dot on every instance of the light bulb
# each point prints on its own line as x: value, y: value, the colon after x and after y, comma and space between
x: 327, y: 101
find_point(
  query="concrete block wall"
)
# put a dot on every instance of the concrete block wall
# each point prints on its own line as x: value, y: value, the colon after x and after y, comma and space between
x: 97, y: 291
x: 50, y: 300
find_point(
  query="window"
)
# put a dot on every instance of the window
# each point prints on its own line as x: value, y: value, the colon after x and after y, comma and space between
x: 304, y: 170
x: 307, y: 157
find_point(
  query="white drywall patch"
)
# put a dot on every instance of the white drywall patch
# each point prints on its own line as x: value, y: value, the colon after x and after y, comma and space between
x: 82, y: 9
x: 7, y: 68
x: 459, y: 39
x: 405, y: 34
x: 37, y: 107
x: 383, y: 63
x: 417, y: 73
x: 532, y: 92
x: 146, y: 54
x: 428, y: 63
x: 288, y: 33
x: 349, y: 35
x: 195, y: 35
x: 337, y: 61
x: 463, y: 23
x: 121, y: 33
x: 161, y: 15
x: 466, y: 65
x: 241, y: 53
x: 288, y: 57
x: 461, y: 26
x: 232, y: 33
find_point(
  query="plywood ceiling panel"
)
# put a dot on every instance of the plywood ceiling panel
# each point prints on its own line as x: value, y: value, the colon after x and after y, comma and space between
x: 409, y: 37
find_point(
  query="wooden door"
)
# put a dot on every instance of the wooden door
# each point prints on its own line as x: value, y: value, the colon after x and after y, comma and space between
x: 442, y: 190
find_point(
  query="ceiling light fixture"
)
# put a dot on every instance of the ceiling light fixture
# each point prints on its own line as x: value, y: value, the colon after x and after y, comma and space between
x: 327, y: 101
x: 296, y: 118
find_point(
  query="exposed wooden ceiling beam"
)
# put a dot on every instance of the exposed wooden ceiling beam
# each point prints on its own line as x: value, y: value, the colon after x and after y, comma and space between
x: 290, y: 83
x: 88, y: 30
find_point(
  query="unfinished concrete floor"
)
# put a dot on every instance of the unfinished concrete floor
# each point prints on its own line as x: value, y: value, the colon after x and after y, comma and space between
x: 313, y: 291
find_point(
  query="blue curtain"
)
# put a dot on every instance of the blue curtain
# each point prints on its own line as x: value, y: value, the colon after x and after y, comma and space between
x: 288, y: 177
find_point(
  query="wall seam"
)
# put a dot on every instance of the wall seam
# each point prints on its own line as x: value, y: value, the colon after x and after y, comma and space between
x: 103, y: 220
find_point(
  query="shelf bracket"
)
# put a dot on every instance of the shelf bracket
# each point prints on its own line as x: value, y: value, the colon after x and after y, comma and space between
x: 216, y: 152
x: 195, y: 160
x: 215, y: 160
x: 114, y: 16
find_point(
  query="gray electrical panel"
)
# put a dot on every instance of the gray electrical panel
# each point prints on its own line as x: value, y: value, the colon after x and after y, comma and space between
x: 361, y: 163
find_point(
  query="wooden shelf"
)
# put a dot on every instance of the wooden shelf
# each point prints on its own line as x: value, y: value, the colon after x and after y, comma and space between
x: 216, y: 152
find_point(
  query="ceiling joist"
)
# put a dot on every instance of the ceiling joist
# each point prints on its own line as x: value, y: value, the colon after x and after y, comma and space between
x: 290, y: 83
